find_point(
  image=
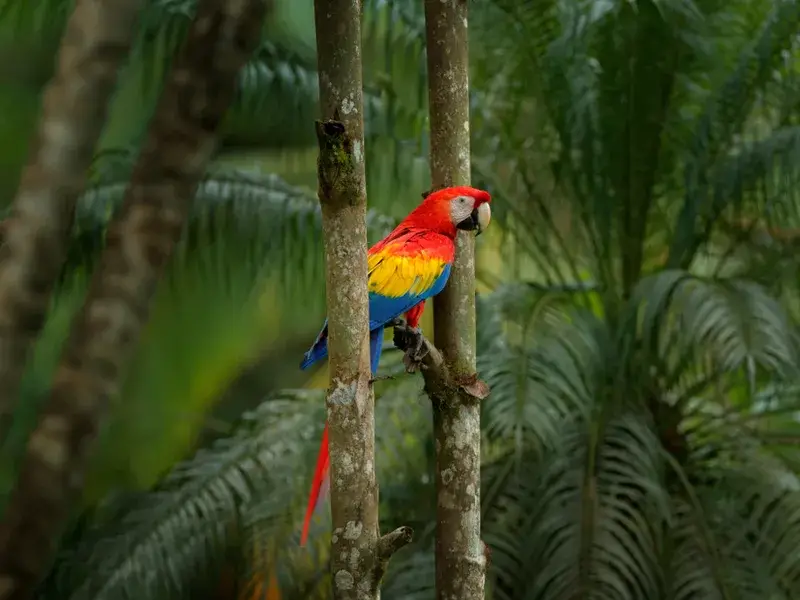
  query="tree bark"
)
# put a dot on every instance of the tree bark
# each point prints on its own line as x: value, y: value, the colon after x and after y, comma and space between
x: 454, y: 387
x: 139, y: 244
x: 358, y: 554
x: 96, y: 41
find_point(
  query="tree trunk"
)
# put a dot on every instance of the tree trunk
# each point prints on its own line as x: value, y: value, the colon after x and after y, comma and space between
x: 139, y: 244
x: 460, y: 561
x: 358, y: 554
x: 96, y: 41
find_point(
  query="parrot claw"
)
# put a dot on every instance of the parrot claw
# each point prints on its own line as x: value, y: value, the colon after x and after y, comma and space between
x: 398, y: 322
x: 412, y: 342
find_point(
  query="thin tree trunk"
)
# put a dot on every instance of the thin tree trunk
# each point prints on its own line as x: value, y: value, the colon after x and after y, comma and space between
x: 358, y: 554
x: 139, y: 244
x: 460, y: 560
x: 95, y: 43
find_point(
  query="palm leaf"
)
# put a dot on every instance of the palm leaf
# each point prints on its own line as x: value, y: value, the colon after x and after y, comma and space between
x: 539, y: 363
x: 587, y: 525
x: 180, y: 530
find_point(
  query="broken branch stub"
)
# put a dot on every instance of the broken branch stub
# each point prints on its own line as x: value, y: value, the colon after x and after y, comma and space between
x: 441, y: 386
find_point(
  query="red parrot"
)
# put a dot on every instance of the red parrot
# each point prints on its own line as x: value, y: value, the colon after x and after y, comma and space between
x: 407, y: 267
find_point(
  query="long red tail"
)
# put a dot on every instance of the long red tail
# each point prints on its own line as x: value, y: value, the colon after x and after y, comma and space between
x: 320, y: 473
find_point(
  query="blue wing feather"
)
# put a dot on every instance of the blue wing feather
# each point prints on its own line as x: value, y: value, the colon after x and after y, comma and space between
x: 382, y: 310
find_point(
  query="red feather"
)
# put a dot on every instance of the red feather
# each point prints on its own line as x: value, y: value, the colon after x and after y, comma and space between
x: 320, y: 473
x: 414, y: 315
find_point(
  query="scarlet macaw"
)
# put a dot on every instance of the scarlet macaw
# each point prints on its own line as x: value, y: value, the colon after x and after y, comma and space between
x: 405, y: 268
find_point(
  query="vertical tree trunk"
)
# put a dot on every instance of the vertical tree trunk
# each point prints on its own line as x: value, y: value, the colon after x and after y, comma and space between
x: 460, y: 561
x: 139, y: 244
x: 358, y: 554
x: 96, y: 40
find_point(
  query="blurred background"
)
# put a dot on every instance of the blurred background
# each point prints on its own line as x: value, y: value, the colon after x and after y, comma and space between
x: 638, y: 302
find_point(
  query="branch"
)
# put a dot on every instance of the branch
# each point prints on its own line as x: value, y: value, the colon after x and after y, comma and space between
x: 139, y: 245
x: 452, y: 382
x: 391, y: 543
x: 96, y: 41
x: 394, y: 541
x: 442, y: 387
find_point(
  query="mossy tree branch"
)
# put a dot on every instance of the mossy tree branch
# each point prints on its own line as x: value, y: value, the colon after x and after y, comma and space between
x: 96, y: 41
x: 453, y: 384
x: 139, y: 244
x: 358, y: 555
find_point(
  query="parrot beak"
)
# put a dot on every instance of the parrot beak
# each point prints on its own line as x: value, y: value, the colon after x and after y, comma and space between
x: 478, y: 220
x: 483, y: 217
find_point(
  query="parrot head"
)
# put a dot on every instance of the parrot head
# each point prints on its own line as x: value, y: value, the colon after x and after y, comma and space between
x: 453, y: 208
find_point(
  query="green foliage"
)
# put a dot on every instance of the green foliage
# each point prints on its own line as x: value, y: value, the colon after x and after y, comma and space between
x: 184, y: 524
x: 594, y: 478
x: 149, y: 545
x: 640, y: 340
x: 216, y: 313
x: 644, y: 116
x: 613, y: 451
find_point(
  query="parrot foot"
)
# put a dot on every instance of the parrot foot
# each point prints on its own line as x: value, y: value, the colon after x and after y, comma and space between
x: 412, y: 342
x: 398, y: 322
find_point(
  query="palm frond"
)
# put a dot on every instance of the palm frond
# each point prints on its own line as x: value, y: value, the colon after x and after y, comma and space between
x: 736, y: 322
x: 542, y: 362
x: 685, y: 563
x: 766, y: 512
x: 724, y: 117
x: 729, y: 535
x: 267, y: 215
x: 245, y: 495
x: 588, y: 526
x: 232, y: 293
x: 179, y: 530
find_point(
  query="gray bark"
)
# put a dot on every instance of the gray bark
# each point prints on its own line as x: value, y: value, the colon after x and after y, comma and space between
x: 453, y: 386
x: 358, y: 554
x: 96, y: 41
x: 139, y: 244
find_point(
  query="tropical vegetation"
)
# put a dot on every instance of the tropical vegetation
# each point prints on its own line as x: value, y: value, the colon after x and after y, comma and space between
x: 637, y: 321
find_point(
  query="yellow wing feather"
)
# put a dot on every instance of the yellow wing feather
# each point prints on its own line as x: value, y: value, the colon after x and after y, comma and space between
x: 394, y: 276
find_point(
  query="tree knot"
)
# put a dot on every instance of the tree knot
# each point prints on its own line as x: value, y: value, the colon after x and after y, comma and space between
x: 336, y: 163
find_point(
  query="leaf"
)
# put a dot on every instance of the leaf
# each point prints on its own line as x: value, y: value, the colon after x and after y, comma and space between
x: 166, y: 537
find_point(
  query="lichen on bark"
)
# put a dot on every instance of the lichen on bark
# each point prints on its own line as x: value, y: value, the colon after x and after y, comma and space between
x: 358, y: 554
x: 453, y: 385
x: 140, y: 240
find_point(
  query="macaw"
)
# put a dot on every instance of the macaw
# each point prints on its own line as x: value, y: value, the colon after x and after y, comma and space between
x: 405, y: 268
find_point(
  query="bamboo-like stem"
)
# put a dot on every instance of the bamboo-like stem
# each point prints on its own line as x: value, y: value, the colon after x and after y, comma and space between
x: 460, y: 559
x: 358, y: 555
x: 139, y: 244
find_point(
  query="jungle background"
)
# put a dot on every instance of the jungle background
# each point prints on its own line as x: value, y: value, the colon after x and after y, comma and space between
x: 637, y: 309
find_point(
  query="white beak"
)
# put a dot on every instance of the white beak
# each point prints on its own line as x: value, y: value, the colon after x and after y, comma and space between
x: 484, y: 216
